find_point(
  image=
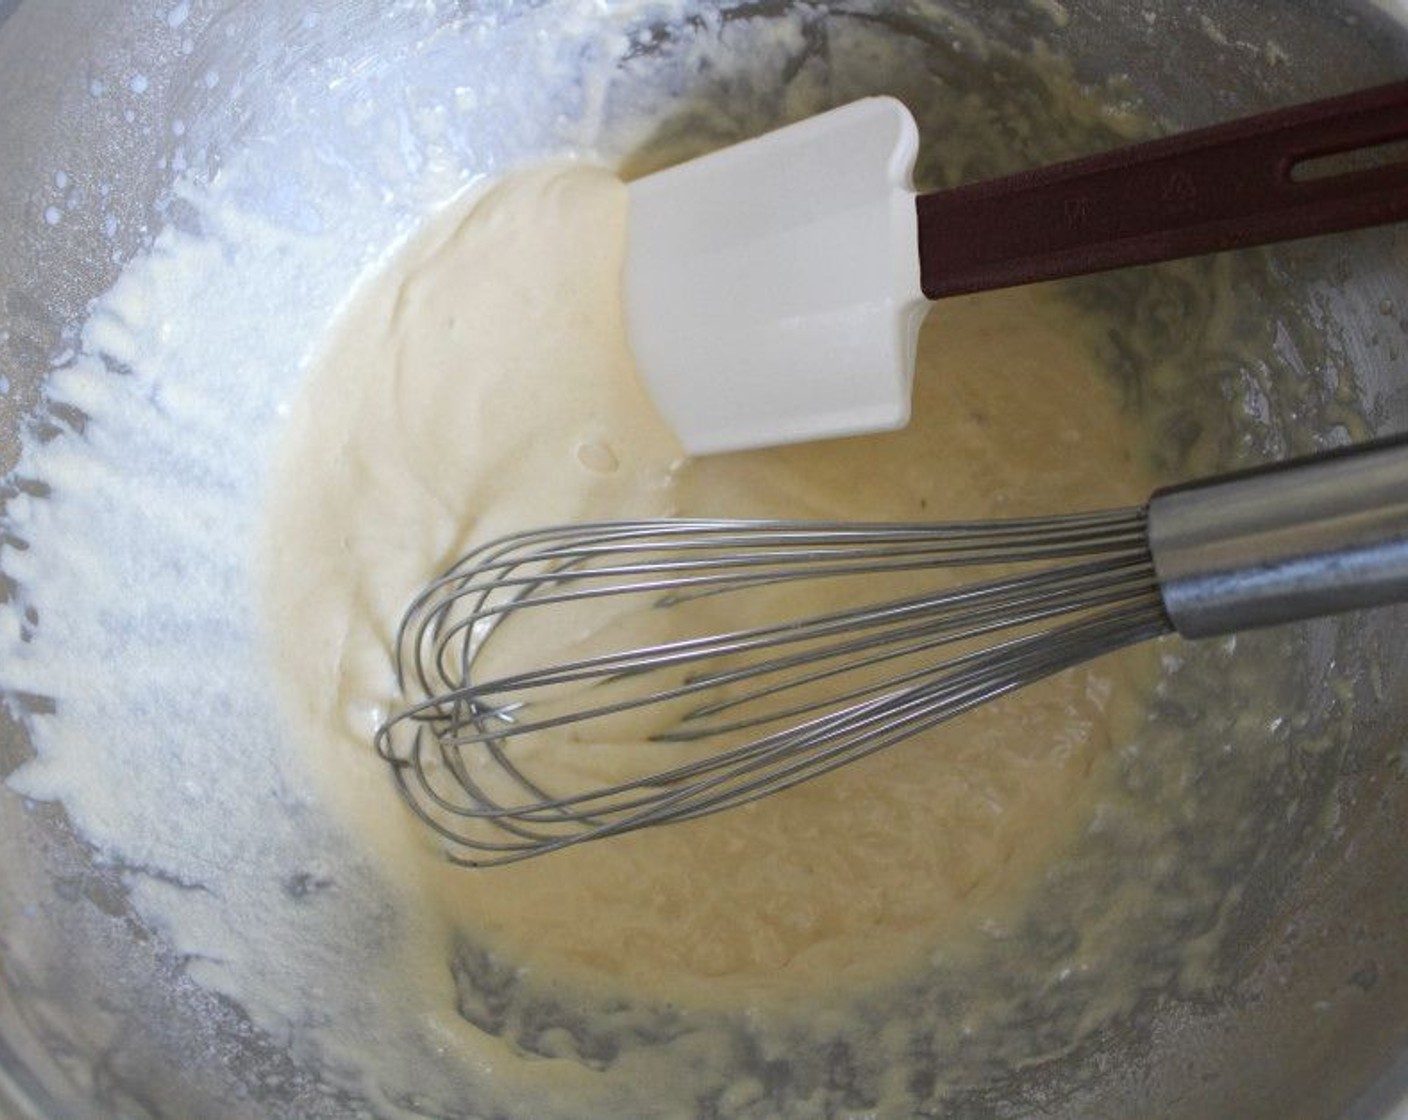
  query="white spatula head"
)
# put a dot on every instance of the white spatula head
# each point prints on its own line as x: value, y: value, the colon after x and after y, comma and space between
x: 772, y: 288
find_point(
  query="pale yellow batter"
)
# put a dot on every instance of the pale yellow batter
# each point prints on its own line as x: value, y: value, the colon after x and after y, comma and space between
x: 481, y: 384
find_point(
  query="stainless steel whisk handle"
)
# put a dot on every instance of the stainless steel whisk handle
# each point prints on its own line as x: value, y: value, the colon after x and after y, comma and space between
x: 1296, y: 540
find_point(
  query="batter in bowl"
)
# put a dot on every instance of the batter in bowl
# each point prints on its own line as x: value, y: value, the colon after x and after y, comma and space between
x: 481, y: 384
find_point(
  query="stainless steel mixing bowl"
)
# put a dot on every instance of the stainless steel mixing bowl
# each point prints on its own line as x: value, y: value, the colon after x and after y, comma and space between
x: 107, y: 104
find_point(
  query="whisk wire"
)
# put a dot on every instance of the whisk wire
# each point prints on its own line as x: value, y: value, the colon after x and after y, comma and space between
x: 998, y: 607
x: 785, y: 759
x: 494, y: 761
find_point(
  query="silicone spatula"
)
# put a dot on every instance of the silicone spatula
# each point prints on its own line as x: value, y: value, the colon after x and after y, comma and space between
x: 774, y: 289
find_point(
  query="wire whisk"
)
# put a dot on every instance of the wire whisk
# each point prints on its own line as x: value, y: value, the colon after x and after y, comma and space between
x: 578, y: 682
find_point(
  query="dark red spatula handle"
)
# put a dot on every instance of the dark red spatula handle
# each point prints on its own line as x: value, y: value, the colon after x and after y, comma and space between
x: 1226, y: 187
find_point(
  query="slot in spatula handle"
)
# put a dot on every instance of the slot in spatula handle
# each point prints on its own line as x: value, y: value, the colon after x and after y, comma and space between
x: 1227, y: 187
